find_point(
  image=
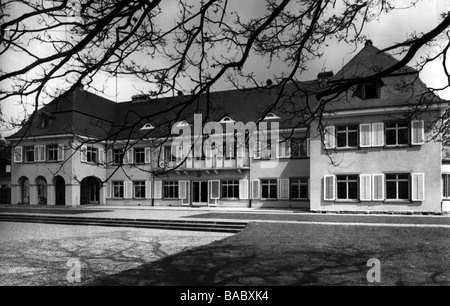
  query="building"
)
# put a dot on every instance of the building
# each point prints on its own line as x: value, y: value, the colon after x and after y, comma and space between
x: 5, y: 172
x: 370, y: 151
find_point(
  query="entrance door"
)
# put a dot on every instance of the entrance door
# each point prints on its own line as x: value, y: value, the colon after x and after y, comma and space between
x: 60, y: 191
x: 94, y: 193
x: 200, y: 193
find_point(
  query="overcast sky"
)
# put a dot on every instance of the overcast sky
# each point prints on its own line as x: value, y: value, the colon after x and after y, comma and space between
x: 390, y: 29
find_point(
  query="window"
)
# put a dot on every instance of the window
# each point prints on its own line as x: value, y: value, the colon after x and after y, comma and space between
x: 44, y: 123
x: 139, y: 156
x: 29, y: 154
x: 397, y: 134
x: 446, y: 186
x: 298, y: 148
x: 8, y: 168
x: 168, y: 156
x: 299, y: 188
x: 117, y: 156
x: 230, y: 149
x: 397, y: 186
x: 170, y: 190
x: 52, y: 152
x: 347, y: 187
x: 199, y: 153
x: 266, y: 147
x: 230, y: 189
x: 118, y: 190
x: 139, y: 189
x: 371, y: 91
x: 269, y: 189
x: 91, y: 154
x: 347, y: 136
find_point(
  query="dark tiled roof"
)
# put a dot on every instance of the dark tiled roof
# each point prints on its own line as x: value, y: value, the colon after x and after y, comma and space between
x: 87, y: 114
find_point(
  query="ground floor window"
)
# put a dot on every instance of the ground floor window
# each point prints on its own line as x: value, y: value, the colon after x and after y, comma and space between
x: 230, y: 189
x: 397, y: 186
x: 446, y: 185
x: 118, y: 190
x: 269, y: 189
x: 347, y: 187
x: 299, y: 188
x: 139, y: 189
x: 170, y: 190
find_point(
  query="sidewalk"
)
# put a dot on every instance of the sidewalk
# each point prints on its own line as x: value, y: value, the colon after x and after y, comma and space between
x: 227, y: 214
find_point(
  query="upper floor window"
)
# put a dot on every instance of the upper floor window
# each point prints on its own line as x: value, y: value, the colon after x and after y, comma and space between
x: 298, y: 147
x: 347, y: 136
x: 397, y: 134
x: 139, y: 156
x: 117, y: 156
x: 29, y: 154
x: 52, y: 152
x: 91, y: 154
x: 44, y: 123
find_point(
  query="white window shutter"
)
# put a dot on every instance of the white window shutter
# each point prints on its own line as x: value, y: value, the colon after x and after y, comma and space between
x: 329, y: 190
x: 365, y: 135
x: 283, y: 189
x: 158, y: 190
x: 36, y: 154
x: 417, y: 132
x: 287, y: 149
x: 329, y: 137
x: 148, y: 154
x: 182, y: 190
x: 101, y: 157
x: 162, y: 157
x: 378, y: 187
x: 109, y: 157
x: 83, y: 154
x: 128, y: 192
x: 60, y: 152
x: 309, y: 188
x: 418, y: 186
x: 378, y: 134
x: 280, y: 148
x: 214, y: 189
x: 108, y: 190
x: 243, y: 189
x: 18, y: 151
x: 365, y: 187
x: 256, y: 190
x: 308, y: 147
x: 148, y: 189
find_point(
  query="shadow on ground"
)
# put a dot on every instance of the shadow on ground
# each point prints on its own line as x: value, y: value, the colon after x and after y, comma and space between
x: 291, y: 254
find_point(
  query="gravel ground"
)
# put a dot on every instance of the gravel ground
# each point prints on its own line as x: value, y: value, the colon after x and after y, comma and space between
x: 37, y: 254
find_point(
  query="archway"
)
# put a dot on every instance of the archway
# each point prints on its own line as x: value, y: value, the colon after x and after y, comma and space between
x: 41, y: 184
x: 90, y: 190
x: 60, y: 190
x: 24, y: 184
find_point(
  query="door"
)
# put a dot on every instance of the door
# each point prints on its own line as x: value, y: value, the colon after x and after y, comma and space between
x: 94, y: 193
x: 200, y: 193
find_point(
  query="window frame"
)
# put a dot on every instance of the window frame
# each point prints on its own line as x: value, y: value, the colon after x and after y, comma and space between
x: 120, y: 185
x: 28, y: 151
x: 91, y: 155
x: 297, y: 181
x: 397, y: 180
x: 141, y: 186
x: 170, y: 190
x: 407, y: 127
x: 346, y: 132
x: 268, y: 183
x: 141, y: 153
x: 225, y: 184
x: 340, y: 179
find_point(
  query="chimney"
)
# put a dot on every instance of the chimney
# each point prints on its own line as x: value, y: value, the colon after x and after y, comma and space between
x: 368, y: 43
x: 140, y: 98
x: 325, y: 75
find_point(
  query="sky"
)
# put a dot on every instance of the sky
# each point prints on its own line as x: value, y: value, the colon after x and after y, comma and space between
x: 388, y: 30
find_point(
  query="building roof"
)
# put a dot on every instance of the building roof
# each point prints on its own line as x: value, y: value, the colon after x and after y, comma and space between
x: 83, y: 113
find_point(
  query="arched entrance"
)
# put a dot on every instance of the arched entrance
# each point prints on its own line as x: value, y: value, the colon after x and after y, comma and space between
x: 60, y: 190
x: 41, y: 184
x: 24, y: 184
x: 90, y: 190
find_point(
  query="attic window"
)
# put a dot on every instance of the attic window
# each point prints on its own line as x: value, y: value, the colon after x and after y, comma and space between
x: 45, y: 122
x: 371, y: 91
x: 271, y: 116
x: 182, y: 123
x: 226, y: 120
x: 147, y: 126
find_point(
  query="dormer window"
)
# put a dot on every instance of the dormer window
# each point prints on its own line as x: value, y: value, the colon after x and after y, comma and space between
x: 226, y: 119
x: 271, y: 116
x: 147, y: 126
x: 182, y: 123
x: 371, y: 91
x: 44, y: 123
